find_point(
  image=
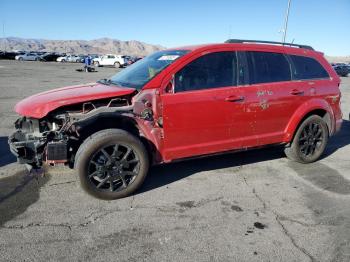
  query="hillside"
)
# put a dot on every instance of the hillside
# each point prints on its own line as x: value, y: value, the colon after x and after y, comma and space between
x: 97, y: 46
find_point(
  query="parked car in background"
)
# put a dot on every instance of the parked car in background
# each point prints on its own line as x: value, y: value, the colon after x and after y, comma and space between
x: 138, y: 58
x: 69, y: 58
x: 40, y: 53
x: 110, y: 60
x: 82, y: 58
x: 10, y: 55
x: 49, y: 57
x: 183, y: 103
x: 341, y: 69
x: 132, y: 59
x: 340, y: 64
x: 28, y: 57
x: 94, y: 56
x: 348, y: 66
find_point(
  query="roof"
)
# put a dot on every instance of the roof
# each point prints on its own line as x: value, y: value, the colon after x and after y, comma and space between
x: 252, y: 44
x: 268, y: 42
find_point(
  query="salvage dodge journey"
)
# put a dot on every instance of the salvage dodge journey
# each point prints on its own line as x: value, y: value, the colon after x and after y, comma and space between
x: 182, y: 103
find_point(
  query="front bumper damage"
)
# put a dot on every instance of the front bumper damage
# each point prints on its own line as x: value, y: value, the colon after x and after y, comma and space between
x: 27, y: 143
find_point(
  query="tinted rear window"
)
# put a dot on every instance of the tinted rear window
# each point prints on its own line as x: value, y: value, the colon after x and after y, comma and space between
x: 266, y: 67
x: 307, y: 68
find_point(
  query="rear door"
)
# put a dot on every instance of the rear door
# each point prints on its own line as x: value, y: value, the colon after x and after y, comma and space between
x: 203, y: 114
x: 271, y: 96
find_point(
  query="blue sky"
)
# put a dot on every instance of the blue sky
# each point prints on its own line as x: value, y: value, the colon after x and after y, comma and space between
x: 324, y: 24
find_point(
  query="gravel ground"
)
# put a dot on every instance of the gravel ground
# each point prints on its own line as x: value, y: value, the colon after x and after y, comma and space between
x: 251, y: 206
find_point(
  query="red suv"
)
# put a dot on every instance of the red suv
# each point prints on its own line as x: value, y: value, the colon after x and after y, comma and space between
x: 181, y: 103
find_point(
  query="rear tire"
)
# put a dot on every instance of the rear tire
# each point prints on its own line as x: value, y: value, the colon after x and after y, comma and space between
x: 309, y: 141
x: 97, y: 64
x: 117, y: 65
x: 111, y: 164
x: 20, y: 59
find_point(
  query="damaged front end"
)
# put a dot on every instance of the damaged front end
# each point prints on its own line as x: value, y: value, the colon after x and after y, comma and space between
x: 35, y: 141
x: 54, y: 138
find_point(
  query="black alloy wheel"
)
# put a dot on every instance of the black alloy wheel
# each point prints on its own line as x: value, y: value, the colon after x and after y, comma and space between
x: 113, y: 168
x: 309, y: 141
x: 111, y: 164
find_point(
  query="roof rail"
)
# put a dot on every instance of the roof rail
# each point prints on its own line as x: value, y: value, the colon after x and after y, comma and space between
x: 267, y: 42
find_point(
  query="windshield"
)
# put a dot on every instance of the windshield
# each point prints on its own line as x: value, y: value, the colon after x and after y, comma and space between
x: 141, y: 72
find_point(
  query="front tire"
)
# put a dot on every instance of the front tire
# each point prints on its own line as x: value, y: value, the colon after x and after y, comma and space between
x: 310, y: 140
x: 97, y: 64
x: 117, y: 65
x: 111, y: 164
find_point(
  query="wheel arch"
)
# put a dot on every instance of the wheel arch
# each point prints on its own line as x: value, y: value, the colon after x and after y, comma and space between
x: 116, y: 121
x: 315, y: 107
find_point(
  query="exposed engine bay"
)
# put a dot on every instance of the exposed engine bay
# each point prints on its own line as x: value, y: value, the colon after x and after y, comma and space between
x: 55, y: 138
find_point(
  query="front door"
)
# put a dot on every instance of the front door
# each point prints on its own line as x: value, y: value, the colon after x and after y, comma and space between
x: 204, y: 114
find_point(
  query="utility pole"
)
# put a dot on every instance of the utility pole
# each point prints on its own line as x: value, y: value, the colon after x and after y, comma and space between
x: 286, y: 23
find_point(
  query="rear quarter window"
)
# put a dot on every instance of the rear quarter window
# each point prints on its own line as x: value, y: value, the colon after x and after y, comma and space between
x: 307, y: 68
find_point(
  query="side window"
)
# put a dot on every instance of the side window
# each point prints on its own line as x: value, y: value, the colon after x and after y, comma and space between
x: 209, y: 71
x: 267, y: 67
x: 307, y: 68
x: 111, y: 56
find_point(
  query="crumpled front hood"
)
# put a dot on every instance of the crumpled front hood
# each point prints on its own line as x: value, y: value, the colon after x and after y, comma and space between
x: 39, y: 105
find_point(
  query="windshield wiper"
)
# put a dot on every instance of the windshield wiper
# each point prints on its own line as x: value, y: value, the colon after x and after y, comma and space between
x: 108, y: 82
x: 122, y: 84
x: 105, y: 81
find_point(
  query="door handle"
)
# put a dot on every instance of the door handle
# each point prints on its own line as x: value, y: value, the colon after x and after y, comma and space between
x: 234, y: 99
x: 297, y: 92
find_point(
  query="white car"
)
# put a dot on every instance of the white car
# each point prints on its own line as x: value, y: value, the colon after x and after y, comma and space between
x: 110, y: 60
x: 28, y: 57
x: 69, y: 58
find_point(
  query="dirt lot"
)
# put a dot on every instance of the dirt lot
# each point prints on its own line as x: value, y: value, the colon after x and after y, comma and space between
x: 252, y: 206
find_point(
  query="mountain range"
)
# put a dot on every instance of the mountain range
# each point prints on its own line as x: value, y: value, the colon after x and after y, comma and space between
x: 96, y: 46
